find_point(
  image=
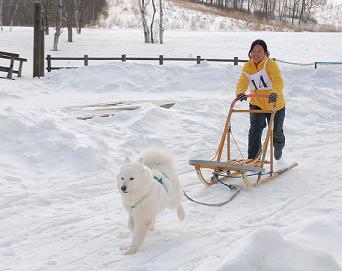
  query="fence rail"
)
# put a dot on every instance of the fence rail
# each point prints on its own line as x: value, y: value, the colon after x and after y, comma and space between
x: 124, y: 58
x: 327, y: 63
x: 161, y: 60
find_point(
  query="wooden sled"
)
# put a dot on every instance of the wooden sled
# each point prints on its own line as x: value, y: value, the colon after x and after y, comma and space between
x: 261, y: 167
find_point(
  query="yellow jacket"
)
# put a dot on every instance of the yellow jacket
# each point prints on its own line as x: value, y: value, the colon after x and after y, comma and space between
x: 273, y: 73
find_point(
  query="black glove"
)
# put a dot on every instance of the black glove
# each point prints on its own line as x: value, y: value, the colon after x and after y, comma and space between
x: 272, y: 98
x: 241, y: 97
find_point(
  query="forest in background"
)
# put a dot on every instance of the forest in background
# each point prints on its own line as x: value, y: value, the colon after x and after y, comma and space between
x: 20, y: 12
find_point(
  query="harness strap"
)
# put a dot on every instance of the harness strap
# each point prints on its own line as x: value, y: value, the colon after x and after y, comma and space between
x: 232, y: 187
x: 135, y: 204
x: 160, y: 179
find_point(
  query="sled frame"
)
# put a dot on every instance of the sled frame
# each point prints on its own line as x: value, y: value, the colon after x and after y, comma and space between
x: 238, y: 167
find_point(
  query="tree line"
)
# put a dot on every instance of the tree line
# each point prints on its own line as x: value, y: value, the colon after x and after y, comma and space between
x: 285, y: 11
x: 77, y: 13
x: 55, y: 13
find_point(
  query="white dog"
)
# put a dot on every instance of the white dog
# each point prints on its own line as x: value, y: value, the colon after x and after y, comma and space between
x: 148, y: 186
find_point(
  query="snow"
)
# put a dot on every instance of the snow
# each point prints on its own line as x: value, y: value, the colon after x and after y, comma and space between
x: 125, y: 14
x: 59, y: 207
x: 330, y: 14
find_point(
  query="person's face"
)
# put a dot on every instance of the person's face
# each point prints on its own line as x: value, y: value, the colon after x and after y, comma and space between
x: 257, y: 54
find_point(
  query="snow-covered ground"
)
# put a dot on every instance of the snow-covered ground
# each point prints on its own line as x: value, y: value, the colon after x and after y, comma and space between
x: 59, y: 208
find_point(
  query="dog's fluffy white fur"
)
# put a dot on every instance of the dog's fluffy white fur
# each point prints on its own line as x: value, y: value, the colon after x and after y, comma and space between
x: 143, y: 196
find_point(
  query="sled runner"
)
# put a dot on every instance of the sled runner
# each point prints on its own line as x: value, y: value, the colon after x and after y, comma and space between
x: 221, y: 170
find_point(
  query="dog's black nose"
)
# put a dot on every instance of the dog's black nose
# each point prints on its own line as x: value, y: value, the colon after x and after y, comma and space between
x: 123, y: 188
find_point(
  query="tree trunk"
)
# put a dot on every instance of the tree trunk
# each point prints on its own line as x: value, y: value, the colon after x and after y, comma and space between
x: 250, y: 5
x: 293, y: 11
x: 144, y: 23
x: 59, y: 13
x: 301, y: 11
x: 68, y: 11
x: 69, y: 33
x: 1, y: 4
x: 77, y: 16
x: 46, y: 5
x: 14, y: 13
x: 152, y: 21
x: 46, y: 22
x: 161, y: 26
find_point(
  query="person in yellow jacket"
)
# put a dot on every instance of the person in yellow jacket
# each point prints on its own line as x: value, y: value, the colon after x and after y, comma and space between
x: 261, y: 75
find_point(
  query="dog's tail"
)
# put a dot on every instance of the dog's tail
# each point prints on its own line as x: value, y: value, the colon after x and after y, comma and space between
x: 180, y: 212
x: 153, y: 158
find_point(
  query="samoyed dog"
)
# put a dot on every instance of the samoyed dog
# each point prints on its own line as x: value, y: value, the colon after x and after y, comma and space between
x: 147, y: 186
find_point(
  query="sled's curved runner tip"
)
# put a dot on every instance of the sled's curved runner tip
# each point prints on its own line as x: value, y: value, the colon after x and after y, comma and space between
x: 244, y: 168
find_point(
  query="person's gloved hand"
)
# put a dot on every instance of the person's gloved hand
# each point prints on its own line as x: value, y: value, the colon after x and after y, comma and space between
x: 272, y: 98
x: 241, y: 97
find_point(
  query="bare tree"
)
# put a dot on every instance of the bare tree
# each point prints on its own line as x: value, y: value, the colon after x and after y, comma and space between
x: 14, y: 13
x: 68, y: 15
x: 59, y: 17
x: 152, y: 21
x: 301, y: 12
x: 77, y: 16
x: 250, y: 4
x: 161, y: 25
x: 294, y: 8
x: 46, y: 7
x: 282, y: 9
x: 142, y: 7
x: 151, y: 30
x: 313, y: 3
x: 1, y: 5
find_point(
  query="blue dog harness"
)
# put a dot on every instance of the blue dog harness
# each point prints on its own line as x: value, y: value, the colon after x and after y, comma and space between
x: 160, y: 177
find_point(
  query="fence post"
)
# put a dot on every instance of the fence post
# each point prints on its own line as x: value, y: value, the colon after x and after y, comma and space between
x: 48, y: 59
x: 315, y: 65
x: 198, y: 59
x: 236, y: 60
x: 85, y: 60
x: 123, y: 58
x: 161, y: 59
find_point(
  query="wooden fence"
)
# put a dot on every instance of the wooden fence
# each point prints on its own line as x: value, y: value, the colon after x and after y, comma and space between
x: 124, y: 58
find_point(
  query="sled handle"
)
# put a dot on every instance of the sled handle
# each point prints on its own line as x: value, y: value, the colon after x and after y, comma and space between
x: 265, y: 96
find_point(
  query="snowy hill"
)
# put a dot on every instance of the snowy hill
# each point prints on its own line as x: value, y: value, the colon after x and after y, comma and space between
x: 330, y: 14
x: 125, y: 14
x: 59, y: 206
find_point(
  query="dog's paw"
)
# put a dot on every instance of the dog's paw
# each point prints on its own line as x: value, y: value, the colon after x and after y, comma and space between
x: 129, y: 252
x: 124, y: 248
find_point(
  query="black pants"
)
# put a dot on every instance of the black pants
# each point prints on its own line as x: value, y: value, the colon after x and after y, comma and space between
x: 258, y: 123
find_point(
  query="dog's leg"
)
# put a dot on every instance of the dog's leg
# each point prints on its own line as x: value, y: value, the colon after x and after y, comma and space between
x: 152, y: 224
x: 180, y: 212
x: 140, y: 230
x: 131, y: 223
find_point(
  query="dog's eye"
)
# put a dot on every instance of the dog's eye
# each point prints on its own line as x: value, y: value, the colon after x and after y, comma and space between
x: 122, y: 178
x: 131, y: 179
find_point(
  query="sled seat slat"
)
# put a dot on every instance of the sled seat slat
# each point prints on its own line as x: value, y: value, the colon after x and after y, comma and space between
x: 224, y: 165
x: 240, y: 161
